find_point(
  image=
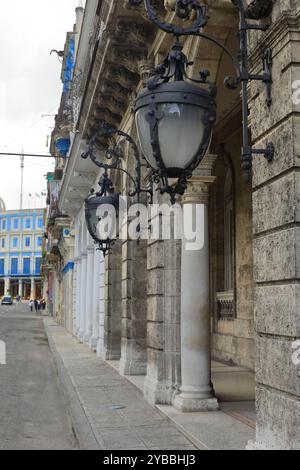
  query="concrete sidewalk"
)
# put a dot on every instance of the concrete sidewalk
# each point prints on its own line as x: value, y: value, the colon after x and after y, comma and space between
x: 109, y: 412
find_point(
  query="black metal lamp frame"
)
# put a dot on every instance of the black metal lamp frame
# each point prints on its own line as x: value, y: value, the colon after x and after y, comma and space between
x: 113, y: 161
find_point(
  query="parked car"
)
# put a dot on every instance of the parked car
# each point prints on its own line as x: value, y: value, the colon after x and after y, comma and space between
x: 7, y: 300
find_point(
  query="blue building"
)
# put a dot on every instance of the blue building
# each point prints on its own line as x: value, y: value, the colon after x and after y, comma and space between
x: 21, y: 239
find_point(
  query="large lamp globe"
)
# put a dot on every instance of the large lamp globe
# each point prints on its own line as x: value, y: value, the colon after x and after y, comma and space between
x: 174, y: 124
x: 102, y: 219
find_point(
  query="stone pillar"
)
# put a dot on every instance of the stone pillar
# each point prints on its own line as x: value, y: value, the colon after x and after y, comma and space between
x: 100, y: 343
x: 6, y: 285
x: 96, y: 299
x: 83, y: 295
x: 276, y: 233
x: 89, y: 284
x: 163, y: 317
x: 113, y: 304
x: 196, y: 392
x: 77, y: 294
x: 32, y: 289
x: 20, y: 288
x: 134, y: 310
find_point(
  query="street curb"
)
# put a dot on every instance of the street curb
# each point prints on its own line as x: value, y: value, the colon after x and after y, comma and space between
x: 81, y: 426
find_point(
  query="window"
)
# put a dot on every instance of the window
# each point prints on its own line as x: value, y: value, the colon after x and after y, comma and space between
x: 225, y: 298
x: 26, y: 266
x: 14, y: 266
x: 40, y: 241
x: 228, y: 232
x: 16, y: 224
x: 38, y: 262
x: 1, y: 267
x: 15, y: 242
x: 40, y: 222
x: 2, y: 242
x: 27, y: 223
x: 27, y: 242
x: 4, y: 224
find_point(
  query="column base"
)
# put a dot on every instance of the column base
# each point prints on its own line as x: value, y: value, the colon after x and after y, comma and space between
x: 100, y: 348
x: 93, y: 342
x: 158, y: 393
x: 189, y: 405
x: 132, y: 367
x: 80, y: 336
x: 193, y: 399
x: 86, y: 338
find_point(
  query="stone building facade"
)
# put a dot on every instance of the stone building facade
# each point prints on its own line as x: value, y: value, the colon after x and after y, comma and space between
x: 153, y: 307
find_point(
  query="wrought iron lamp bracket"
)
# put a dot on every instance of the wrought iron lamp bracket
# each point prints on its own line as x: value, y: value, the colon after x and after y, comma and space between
x: 115, y: 154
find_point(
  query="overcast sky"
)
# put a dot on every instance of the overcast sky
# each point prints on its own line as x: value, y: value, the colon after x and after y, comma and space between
x: 29, y: 87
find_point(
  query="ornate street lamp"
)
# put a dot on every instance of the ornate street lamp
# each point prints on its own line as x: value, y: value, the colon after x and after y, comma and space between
x: 105, y: 203
x: 174, y: 121
x: 175, y: 117
x: 104, y: 209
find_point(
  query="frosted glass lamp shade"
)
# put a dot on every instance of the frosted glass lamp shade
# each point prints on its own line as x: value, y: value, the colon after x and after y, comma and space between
x: 177, y: 120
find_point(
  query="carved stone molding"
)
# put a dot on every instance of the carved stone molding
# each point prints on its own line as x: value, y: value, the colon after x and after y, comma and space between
x: 109, y: 102
x: 128, y: 58
x: 145, y: 69
x: 115, y: 90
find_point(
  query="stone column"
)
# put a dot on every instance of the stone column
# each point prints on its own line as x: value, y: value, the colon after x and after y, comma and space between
x: 20, y: 288
x: 163, y: 315
x: 89, y: 284
x: 32, y: 289
x: 77, y: 293
x: 134, y: 309
x: 83, y: 296
x: 96, y: 299
x: 113, y: 304
x: 196, y: 392
x: 6, y: 285
x: 100, y: 343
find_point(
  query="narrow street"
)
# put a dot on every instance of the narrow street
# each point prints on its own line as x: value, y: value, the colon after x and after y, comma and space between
x: 33, y: 414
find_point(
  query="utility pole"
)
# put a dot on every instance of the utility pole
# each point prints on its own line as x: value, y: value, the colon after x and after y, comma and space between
x: 22, y: 178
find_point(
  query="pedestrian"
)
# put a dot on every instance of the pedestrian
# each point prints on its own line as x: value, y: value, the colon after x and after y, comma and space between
x: 36, y: 304
x: 44, y: 304
x: 31, y: 304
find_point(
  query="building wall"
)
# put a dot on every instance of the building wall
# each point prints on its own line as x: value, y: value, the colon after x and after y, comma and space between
x: 16, y: 228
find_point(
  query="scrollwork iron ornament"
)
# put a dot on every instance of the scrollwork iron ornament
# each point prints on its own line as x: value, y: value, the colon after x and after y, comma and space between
x: 106, y: 195
x: 114, y: 157
x: 256, y: 10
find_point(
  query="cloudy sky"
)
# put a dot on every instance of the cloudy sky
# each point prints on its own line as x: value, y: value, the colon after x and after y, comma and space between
x: 29, y: 87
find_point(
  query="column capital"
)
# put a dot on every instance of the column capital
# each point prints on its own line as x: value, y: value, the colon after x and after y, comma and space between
x: 198, y: 190
x: 206, y: 166
x: 198, y: 186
